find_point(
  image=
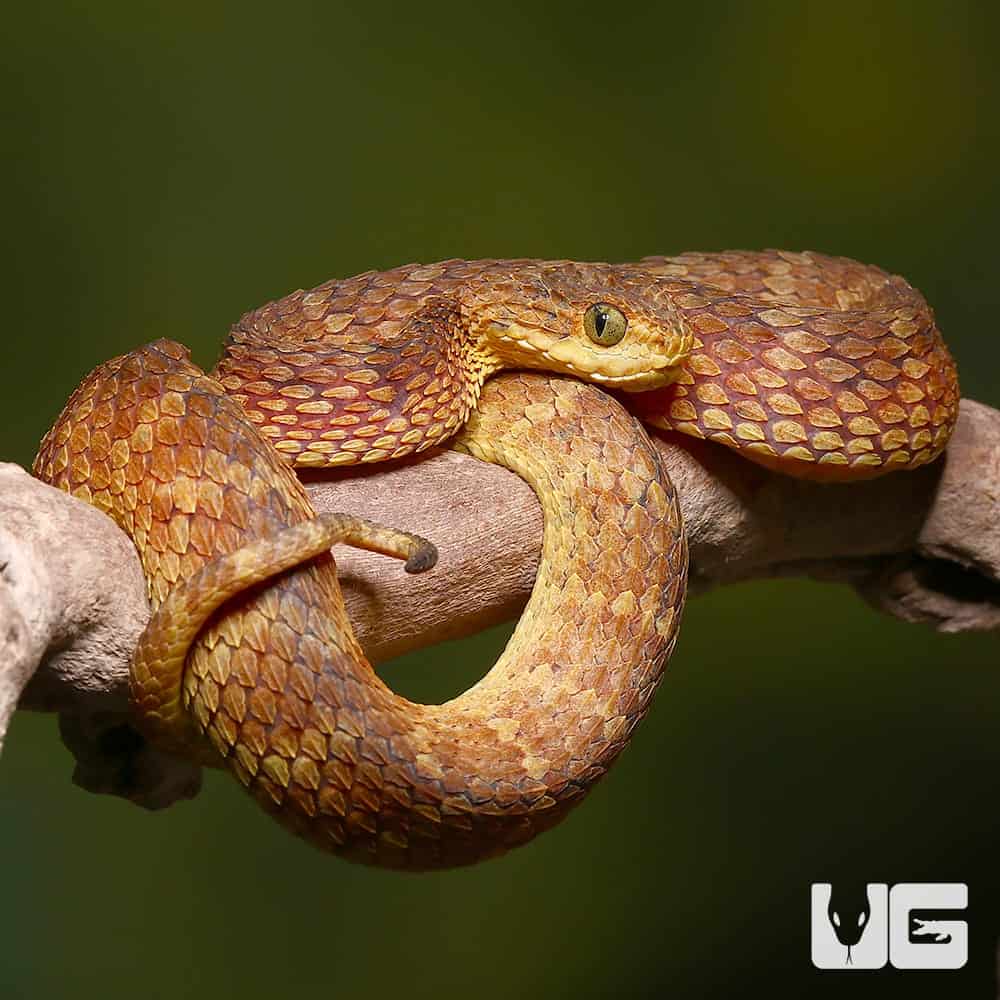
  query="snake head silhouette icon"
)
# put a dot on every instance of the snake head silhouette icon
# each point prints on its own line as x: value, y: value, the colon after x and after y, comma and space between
x: 849, y: 911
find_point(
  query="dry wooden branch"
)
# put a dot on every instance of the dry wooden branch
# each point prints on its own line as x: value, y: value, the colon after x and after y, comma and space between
x: 922, y: 546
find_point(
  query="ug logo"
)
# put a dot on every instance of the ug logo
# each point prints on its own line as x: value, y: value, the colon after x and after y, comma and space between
x: 910, y: 925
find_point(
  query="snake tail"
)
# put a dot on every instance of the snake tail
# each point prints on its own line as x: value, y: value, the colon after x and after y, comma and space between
x: 161, y: 653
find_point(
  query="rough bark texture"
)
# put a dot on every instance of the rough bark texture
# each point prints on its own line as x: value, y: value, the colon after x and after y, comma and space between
x: 923, y: 546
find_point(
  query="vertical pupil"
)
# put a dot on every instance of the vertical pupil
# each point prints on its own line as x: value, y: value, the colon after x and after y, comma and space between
x: 600, y: 321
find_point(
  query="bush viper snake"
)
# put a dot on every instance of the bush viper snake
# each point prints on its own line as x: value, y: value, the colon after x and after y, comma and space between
x: 815, y: 366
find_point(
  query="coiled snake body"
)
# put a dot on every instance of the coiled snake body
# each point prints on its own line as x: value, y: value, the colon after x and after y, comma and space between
x: 817, y: 366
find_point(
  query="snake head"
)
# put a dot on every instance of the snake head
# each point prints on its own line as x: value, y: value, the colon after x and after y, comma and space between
x: 605, y: 323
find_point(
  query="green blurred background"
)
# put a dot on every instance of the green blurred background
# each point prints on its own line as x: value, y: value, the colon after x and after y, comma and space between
x: 168, y: 166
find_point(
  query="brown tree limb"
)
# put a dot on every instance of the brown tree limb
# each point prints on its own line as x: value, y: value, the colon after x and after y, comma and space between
x: 923, y: 546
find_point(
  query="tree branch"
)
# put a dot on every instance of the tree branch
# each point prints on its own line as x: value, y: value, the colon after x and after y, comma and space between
x: 923, y: 546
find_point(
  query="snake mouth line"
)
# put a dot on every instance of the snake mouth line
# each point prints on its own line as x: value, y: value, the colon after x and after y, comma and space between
x: 659, y: 370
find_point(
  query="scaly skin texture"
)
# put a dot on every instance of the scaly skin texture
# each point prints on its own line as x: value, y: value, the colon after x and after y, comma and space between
x: 817, y: 366
x: 277, y: 681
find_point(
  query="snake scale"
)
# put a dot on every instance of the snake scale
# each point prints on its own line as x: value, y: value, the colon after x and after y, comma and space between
x: 812, y: 365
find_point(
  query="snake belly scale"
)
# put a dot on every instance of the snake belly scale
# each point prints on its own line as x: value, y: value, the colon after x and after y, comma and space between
x: 815, y: 366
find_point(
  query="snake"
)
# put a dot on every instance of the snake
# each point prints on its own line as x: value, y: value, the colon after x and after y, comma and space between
x: 810, y: 365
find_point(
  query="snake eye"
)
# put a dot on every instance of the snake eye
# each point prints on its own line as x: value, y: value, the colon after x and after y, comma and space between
x: 605, y: 325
